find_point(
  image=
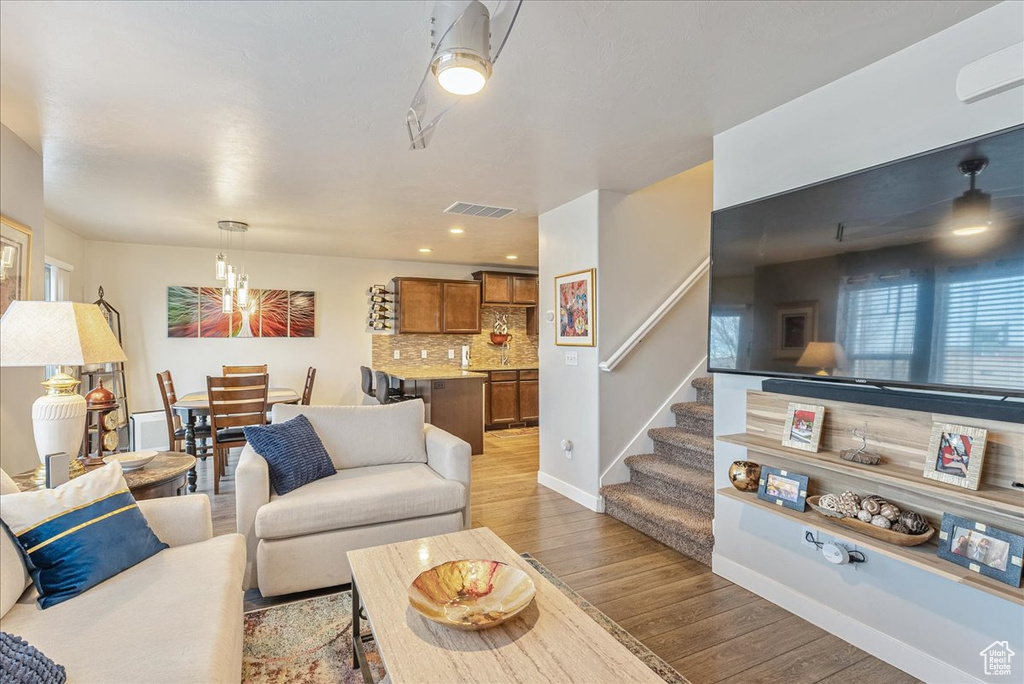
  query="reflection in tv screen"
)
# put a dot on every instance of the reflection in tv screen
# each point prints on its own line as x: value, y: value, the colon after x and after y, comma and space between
x: 911, y: 273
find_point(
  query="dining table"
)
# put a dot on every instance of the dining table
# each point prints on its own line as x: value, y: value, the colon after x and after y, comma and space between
x: 196, y: 405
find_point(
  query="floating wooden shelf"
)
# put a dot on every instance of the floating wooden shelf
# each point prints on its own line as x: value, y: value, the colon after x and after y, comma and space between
x: 923, y: 557
x: 1005, y: 501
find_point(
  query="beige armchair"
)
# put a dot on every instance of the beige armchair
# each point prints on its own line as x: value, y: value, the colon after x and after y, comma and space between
x: 397, y: 479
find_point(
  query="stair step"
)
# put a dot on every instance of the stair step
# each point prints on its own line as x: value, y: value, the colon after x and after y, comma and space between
x: 696, y: 418
x: 683, y: 439
x: 672, y: 481
x: 686, y: 530
x: 705, y: 389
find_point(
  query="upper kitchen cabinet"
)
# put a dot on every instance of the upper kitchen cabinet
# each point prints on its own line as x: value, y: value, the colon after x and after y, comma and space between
x: 432, y: 306
x: 509, y: 289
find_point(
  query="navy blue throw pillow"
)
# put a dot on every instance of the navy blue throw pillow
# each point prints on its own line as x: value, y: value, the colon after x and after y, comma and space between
x: 23, y: 663
x: 293, y: 451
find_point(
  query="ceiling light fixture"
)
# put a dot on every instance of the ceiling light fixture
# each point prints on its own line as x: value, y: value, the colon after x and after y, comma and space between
x: 456, y: 231
x: 425, y: 250
x: 972, y: 211
x: 512, y: 257
x: 236, y: 280
x: 467, y: 41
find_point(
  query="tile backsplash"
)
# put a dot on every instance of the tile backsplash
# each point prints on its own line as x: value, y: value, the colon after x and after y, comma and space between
x: 523, y: 347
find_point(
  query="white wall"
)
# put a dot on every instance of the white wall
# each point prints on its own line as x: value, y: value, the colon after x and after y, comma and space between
x: 21, y: 198
x: 650, y: 241
x: 135, y: 280
x: 901, y: 105
x: 568, y: 394
x: 69, y: 247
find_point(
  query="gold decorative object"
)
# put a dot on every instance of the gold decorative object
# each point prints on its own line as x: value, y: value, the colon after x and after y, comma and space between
x: 744, y: 475
x: 471, y: 594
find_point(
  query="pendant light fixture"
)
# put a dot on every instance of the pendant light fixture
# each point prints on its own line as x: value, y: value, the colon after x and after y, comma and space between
x: 236, y: 281
x: 972, y: 211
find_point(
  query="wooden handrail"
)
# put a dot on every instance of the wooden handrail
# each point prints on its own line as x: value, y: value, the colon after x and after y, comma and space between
x: 653, y: 320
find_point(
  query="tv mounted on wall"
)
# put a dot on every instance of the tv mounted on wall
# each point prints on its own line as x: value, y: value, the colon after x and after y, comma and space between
x: 907, y: 274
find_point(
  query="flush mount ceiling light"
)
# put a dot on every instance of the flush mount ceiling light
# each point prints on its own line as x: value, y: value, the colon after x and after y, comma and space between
x: 456, y: 231
x: 972, y: 211
x: 425, y: 250
x: 511, y: 257
x: 467, y: 39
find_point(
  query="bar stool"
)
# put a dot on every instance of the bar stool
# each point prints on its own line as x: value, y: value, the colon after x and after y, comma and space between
x: 385, y: 393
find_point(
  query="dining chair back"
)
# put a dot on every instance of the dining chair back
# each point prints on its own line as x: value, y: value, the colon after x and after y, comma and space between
x: 307, y: 390
x: 234, y: 371
x: 366, y: 381
x: 235, y: 402
x: 175, y: 430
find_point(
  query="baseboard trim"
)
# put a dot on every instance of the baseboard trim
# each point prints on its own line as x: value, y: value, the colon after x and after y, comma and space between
x: 594, y: 503
x: 883, y: 646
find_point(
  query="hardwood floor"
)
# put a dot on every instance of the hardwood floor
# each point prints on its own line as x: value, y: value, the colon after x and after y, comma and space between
x: 707, y: 628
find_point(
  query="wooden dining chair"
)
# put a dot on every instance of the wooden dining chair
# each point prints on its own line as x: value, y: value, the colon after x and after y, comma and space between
x: 234, y: 371
x: 307, y: 390
x: 235, y: 402
x: 175, y: 429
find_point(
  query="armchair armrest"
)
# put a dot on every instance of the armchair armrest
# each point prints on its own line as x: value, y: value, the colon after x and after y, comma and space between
x: 451, y: 458
x: 179, y: 520
x: 252, y: 491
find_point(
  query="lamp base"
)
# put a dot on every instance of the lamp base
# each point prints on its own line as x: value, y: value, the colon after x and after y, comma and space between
x: 58, y: 424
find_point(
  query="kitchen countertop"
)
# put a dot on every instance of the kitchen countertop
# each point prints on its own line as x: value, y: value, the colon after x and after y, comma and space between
x: 498, y: 367
x: 430, y: 373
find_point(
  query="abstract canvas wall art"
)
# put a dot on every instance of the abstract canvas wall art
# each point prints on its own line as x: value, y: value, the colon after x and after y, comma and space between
x: 196, y: 312
x: 575, y: 295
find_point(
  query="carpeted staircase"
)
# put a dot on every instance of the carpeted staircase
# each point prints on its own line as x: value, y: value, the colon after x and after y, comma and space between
x: 671, y: 493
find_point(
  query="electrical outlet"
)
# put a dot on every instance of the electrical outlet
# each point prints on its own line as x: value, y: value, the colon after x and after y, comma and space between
x: 572, y: 358
x: 423, y: 353
x: 451, y: 353
x: 398, y: 354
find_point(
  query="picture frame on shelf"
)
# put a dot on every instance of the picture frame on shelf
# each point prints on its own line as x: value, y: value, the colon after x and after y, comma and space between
x: 956, y: 454
x: 983, y: 549
x: 576, y: 298
x: 796, y: 325
x: 803, y: 426
x: 783, y: 488
x: 15, y: 262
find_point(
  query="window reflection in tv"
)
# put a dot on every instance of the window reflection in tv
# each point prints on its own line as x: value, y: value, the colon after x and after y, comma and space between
x: 911, y: 273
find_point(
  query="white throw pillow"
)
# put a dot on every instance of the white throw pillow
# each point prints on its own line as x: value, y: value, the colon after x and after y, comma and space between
x: 358, y: 436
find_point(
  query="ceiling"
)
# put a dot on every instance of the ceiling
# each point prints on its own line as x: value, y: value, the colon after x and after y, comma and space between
x: 156, y: 119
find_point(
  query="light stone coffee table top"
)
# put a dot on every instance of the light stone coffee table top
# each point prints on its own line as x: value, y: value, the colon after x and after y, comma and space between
x: 551, y: 640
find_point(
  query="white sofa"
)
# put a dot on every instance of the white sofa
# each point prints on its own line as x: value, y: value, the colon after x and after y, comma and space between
x: 176, y: 617
x: 398, y: 479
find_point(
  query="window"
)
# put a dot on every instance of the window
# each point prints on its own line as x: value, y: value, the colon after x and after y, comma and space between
x: 979, y: 327
x: 725, y: 339
x: 880, y: 316
x: 56, y: 288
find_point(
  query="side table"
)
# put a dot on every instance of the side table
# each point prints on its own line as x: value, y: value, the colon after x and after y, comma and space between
x: 165, y: 475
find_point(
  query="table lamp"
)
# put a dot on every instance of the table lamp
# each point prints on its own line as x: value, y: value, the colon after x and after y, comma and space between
x: 57, y: 334
x: 825, y: 356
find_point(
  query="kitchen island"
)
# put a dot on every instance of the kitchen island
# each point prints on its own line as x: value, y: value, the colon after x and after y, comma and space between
x: 454, y: 398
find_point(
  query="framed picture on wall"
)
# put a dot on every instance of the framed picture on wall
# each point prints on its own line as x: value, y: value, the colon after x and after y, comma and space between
x: 577, y: 302
x: 15, y: 262
x: 955, y: 454
x: 982, y: 549
x: 796, y: 325
x: 803, y: 426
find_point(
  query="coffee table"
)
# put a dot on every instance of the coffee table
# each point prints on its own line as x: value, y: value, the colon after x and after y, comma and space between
x: 551, y: 640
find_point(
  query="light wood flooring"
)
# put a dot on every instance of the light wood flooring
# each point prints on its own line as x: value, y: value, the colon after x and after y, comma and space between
x: 707, y: 628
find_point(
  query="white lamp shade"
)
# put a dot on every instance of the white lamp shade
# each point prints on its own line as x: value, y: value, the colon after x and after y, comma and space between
x: 823, y: 355
x: 56, y: 334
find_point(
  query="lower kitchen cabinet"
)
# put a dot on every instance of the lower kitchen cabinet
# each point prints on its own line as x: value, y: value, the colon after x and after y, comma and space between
x: 511, y: 397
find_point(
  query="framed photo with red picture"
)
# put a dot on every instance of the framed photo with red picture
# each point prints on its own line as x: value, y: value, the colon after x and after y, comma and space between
x: 803, y: 426
x: 955, y: 454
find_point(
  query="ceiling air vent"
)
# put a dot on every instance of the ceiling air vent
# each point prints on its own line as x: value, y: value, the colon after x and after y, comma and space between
x: 481, y: 210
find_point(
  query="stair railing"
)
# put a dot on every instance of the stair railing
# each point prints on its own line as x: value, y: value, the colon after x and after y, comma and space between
x: 653, y: 320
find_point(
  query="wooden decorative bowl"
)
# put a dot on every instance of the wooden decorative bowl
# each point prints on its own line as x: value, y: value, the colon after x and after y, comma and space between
x: 874, y: 531
x: 471, y: 594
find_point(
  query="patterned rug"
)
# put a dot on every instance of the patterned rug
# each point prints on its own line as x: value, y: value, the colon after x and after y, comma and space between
x: 508, y: 433
x: 310, y: 641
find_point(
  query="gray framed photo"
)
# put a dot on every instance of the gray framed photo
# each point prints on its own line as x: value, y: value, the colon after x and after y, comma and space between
x: 955, y: 454
x: 985, y: 550
x: 803, y: 426
x: 783, y: 488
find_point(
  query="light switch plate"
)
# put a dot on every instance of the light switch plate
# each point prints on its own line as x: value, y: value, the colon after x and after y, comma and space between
x: 451, y: 353
x: 423, y: 353
x: 398, y: 354
x: 572, y: 358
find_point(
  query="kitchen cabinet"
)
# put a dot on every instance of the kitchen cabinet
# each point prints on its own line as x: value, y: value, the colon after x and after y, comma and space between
x: 508, y: 289
x: 511, y: 397
x: 433, y: 306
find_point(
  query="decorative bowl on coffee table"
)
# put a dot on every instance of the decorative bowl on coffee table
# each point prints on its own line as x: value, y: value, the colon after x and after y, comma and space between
x: 471, y: 594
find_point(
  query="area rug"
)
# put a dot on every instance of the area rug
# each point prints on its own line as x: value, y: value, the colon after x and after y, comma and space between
x: 310, y: 641
x: 515, y: 432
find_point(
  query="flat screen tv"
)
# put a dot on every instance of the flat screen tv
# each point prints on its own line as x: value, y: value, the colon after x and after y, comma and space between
x: 906, y: 274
